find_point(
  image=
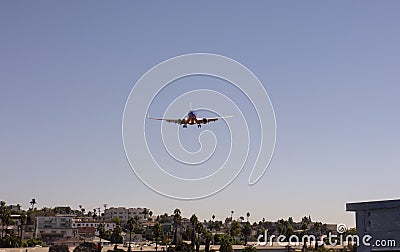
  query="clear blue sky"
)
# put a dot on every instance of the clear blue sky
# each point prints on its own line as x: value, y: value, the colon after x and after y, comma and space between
x: 331, y: 70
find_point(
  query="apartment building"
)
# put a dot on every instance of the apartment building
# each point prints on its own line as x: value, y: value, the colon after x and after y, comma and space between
x: 50, y: 228
x: 53, y: 228
x: 124, y: 214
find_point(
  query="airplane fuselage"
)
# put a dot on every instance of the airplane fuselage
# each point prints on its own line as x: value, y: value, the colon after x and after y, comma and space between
x: 191, y: 119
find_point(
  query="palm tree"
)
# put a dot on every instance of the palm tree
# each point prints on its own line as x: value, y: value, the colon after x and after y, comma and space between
x: 4, y: 216
x: 177, y: 222
x: 235, y: 229
x: 317, y: 226
x: 101, y: 229
x: 208, y: 237
x: 212, y: 226
x: 225, y: 244
x: 157, y: 232
x: 33, y: 203
x: 136, y: 218
x: 145, y: 213
x: 199, y: 229
x: 131, y: 225
x: 246, y: 230
x: 22, y: 219
x: 232, y: 215
x: 194, y: 221
x: 304, y: 224
x: 248, y: 216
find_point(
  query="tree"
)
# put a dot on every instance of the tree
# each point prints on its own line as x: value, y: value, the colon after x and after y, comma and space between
x: 3, y: 216
x: 232, y: 214
x: 33, y: 203
x: 157, y: 232
x: 22, y: 218
x: 116, y: 235
x: 199, y: 229
x: 59, y: 248
x: 317, y: 226
x: 235, y: 229
x: 102, y: 230
x: 145, y: 212
x: 207, y: 240
x: 246, y: 230
x: 250, y: 248
x: 290, y: 220
x: 225, y: 244
x: 130, y: 225
x: 33, y: 242
x: 116, y: 220
x: 8, y: 237
x: 248, y: 216
x: 94, y: 214
x: 177, y: 223
x: 86, y: 247
x: 304, y: 223
x: 194, y: 221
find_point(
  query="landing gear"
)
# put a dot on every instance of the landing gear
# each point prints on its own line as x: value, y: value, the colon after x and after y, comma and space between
x: 198, y: 125
x: 184, y: 126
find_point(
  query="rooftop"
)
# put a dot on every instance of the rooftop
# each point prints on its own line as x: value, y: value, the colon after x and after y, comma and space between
x: 361, y: 206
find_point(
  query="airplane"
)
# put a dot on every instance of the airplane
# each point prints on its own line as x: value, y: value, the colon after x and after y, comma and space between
x: 190, y: 119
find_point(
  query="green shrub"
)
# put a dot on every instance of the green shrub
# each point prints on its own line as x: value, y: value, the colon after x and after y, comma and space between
x: 59, y: 248
x: 86, y: 247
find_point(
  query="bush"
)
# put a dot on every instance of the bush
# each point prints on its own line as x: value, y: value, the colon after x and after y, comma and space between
x: 32, y: 243
x: 250, y: 248
x: 86, y: 247
x: 226, y: 244
x: 59, y: 248
x: 181, y: 247
x: 116, y: 249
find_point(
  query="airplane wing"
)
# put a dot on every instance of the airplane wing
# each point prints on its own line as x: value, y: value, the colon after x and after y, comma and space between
x: 213, y: 119
x: 177, y: 121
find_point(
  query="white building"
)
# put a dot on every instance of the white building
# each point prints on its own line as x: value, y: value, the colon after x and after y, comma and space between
x: 49, y: 228
x: 83, y: 223
x: 53, y: 228
x: 124, y: 214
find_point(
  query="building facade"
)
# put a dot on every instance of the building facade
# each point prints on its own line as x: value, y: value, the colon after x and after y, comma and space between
x: 52, y: 229
x: 124, y: 214
x: 377, y: 225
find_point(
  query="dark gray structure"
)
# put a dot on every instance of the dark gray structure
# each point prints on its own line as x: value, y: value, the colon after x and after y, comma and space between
x: 378, y: 225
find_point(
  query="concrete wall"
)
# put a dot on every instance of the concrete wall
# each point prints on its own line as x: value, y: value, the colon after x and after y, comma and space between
x: 378, y: 223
